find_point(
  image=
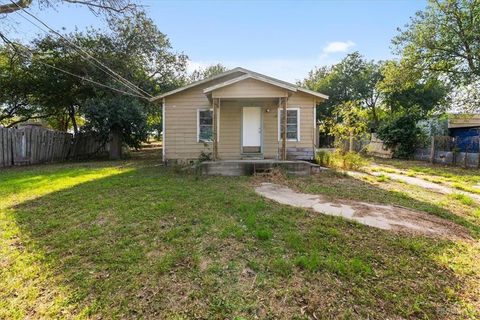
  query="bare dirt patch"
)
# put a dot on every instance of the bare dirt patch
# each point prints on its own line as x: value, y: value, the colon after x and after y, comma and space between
x: 385, y: 217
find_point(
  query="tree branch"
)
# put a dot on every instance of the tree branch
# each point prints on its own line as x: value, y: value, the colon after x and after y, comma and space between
x: 117, y: 6
x: 113, y: 5
x: 12, y: 7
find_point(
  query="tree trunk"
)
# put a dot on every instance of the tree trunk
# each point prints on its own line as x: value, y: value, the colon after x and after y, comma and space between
x: 350, y: 144
x: 115, y: 144
x: 375, y: 116
x: 74, y: 121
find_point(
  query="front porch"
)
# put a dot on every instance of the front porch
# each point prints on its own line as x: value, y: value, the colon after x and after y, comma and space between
x: 251, y: 167
x: 261, y: 117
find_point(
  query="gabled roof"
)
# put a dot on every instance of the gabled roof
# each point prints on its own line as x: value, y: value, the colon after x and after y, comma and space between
x: 250, y: 76
x: 244, y: 74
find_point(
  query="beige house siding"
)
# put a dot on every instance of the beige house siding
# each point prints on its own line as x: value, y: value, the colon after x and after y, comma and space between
x: 230, y: 131
x: 272, y: 141
x: 181, y: 119
x: 181, y: 122
x: 249, y: 88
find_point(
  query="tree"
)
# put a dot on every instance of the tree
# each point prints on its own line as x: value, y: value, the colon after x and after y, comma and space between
x: 400, y: 134
x: 97, y: 6
x: 140, y: 52
x: 63, y: 75
x: 444, y: 39
x: 349, y: 121
x: 352, y: 79
x: 410, y: 96
x: 407, y: 90
x: 118, y: 119
x: 208, y: 72
x: 61, y: 95
x: 15, y: 82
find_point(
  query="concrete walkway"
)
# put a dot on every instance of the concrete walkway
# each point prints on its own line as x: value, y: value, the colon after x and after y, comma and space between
x: 419, y: 182
x: 379, y: 216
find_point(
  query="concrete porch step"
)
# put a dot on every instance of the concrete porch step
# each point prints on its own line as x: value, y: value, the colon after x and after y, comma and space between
x: 252, y: 156
x: 250, y: 167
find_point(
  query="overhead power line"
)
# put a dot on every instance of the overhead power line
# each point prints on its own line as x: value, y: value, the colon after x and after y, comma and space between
x: 84, y: 53
x: 14, y: 46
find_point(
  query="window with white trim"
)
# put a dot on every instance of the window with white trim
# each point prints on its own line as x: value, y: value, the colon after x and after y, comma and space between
x: 205, y: 125
x: 293, y: 124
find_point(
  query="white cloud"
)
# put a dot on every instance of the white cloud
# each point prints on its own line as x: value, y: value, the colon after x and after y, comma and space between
x: 338, y: 46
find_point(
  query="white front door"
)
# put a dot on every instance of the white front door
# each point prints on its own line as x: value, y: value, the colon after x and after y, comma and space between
x: 252, y: 129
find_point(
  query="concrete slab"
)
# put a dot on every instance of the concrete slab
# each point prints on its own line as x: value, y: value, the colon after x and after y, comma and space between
x: 252, y: 166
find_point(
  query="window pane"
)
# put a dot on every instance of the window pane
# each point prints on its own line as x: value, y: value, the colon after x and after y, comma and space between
x: 205, y: 125
x: 292, y: 128
x: 206, y: 117
x: 206, y: 133
x: 292, y: 117
x: 291, y: 135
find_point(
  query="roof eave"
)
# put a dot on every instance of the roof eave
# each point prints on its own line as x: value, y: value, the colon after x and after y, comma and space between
x: 196, y: 83
x: 314, y: 93
x: 249, y: 76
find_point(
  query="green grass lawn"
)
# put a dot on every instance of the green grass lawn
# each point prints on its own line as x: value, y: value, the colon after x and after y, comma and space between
x: 456, y: 177
x: 134, y: 239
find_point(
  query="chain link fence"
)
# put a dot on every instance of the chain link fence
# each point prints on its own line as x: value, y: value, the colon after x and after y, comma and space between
x: 457, y: 151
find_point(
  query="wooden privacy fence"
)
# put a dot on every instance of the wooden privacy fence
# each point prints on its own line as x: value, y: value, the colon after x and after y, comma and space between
x: 32, y: 145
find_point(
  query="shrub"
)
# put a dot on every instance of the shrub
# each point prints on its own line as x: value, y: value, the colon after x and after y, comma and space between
x: 323, y: 158
x: 401, y: 135
x: 353, y: 161
x: 338, y: 159
x: 204, y: 156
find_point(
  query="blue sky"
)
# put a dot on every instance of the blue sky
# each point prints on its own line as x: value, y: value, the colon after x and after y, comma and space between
x: 283, y: 39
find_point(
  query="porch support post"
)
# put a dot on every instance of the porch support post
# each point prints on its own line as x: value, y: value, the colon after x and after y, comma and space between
x: 215, y: 103
x: 284, y: 133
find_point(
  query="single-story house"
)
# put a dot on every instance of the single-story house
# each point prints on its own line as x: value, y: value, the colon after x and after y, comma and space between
x: 239, y: 114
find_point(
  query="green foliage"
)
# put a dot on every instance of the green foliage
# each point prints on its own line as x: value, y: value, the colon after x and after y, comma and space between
x: 408, y: 91
x: 352, y: 79
x: 323, y: 158
x: 16, y: 104
x: 350, y: 160
x: 134, y: 49
x: 400, y: 134
x: 349, y: 121
x: 117, y: 113
x: 339, y: 159
x: 443, y: 39
x: 208, y: 72
x: 463, y: 198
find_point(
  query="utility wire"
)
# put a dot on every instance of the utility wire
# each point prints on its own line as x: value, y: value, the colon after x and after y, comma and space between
x: 105, y: 69
x: 14, y: 46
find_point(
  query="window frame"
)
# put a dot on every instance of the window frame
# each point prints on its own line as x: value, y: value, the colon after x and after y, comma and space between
x: 279, y: 131
x: 198, y: 124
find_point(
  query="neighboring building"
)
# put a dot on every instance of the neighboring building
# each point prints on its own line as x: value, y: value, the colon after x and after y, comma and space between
x: 466, y: 130
x: 239, y: 114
